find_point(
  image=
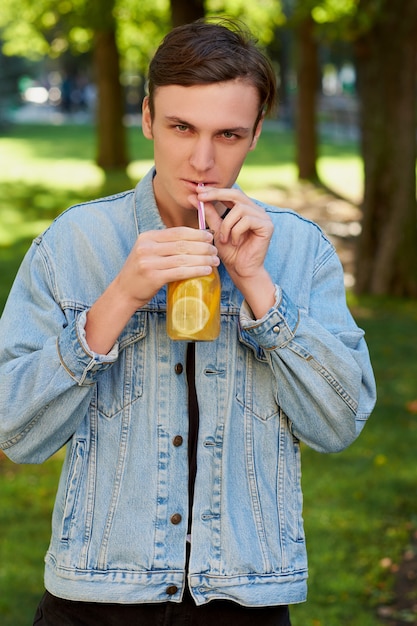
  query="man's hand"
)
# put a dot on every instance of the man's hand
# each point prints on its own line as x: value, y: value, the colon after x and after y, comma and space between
x: 158, y: 257
x: 242, y: 239
x: 162, y: 256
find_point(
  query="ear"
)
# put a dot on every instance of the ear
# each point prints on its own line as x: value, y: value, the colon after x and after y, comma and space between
x: 256, y: 134
x: 146, y: 119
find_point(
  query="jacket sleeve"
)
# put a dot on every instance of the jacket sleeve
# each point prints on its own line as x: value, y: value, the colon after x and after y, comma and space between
x: 46, y: 369
x: 320, y: 361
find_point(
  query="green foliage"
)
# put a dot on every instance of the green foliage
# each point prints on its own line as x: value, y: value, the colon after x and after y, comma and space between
x: 45, y: 28
x: 333, y: 10
x: 262, y: 17
x: 338, y: 20
x: 50, y: 28
x: 141, y: 25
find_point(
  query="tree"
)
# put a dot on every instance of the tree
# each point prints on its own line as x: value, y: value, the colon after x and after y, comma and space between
x: 307, y: 65
x: 386, y: 61
x: 186, y: 11
x: 384, y: 37
x: 111, y: 148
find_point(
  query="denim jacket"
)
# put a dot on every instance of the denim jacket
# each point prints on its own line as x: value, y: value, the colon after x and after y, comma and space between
x: 300, y: 374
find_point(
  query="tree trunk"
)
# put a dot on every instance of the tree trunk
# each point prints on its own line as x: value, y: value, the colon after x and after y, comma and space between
x: 307, y: 82
x: 386, y: 64
x: 186, y: 11
x: 111, y: 150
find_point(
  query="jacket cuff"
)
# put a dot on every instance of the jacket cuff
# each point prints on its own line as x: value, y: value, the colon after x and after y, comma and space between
x: 277, y: 327
x: 82, y: 364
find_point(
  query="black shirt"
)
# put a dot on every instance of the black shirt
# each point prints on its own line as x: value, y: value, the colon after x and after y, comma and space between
x: 193, y: 419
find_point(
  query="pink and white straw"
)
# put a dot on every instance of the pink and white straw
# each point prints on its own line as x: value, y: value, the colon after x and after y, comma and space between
x: 201, y: 212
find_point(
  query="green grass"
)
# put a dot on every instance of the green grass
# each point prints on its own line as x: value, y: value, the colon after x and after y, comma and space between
x: 26, y: 496
x: 359, y: 504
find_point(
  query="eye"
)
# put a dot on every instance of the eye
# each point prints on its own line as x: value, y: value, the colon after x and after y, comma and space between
x: 229, y: 135
x: 182, y: 128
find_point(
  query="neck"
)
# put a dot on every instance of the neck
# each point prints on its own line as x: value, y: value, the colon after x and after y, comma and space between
x: 185, y: 218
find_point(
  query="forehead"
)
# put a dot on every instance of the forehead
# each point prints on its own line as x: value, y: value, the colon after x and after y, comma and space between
x: 224, y: 104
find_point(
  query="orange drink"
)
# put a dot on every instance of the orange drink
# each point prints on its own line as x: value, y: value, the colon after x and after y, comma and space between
x: 193, y: 308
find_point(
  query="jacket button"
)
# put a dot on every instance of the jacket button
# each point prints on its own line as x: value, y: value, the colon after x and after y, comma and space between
x: 176, y: 518
x: 177, y: 441
x: 178, y: 368
x: 276, y: 329
x: 171, y: 590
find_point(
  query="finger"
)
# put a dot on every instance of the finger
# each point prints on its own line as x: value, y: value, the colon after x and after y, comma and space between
x: 213, y: 219
x: 225, y: 195
x: 232, y: 205
x: 184, y: 272
x: 186, y: 261
x: 178, y: 233
x: 172, y: 246
x: 184, y: 247
x: 229, y: 227
x: 239, y: 224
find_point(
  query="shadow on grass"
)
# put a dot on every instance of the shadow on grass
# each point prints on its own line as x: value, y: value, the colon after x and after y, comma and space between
x: 61, y: 141
x: 77, y: 142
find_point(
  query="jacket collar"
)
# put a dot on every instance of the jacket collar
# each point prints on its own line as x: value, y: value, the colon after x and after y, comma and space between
x: 147, y: 215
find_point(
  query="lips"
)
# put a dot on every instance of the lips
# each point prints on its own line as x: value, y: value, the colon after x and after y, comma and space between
x: 193, y: 184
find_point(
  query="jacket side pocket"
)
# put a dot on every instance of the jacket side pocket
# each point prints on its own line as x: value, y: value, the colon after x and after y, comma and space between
x: 72, y: 488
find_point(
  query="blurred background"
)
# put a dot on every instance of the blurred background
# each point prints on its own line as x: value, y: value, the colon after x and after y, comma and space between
x: 340, y: 150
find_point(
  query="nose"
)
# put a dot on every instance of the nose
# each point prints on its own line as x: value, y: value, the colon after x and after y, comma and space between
x: 203, y: 154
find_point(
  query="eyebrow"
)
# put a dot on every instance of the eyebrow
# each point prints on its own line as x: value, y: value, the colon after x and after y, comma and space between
x: 235, y: 129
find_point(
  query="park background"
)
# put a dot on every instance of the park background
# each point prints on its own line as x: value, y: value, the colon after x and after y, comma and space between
x: 341, y: 151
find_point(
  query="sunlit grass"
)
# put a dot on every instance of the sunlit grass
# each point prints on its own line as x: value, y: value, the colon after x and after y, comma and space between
x: 33, y: 159
x: 138, y: 168
x: 344, y: 177
x: 65, y: 173
x: 256, y: 177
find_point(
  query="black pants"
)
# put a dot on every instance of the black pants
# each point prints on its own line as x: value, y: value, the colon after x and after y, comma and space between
x: 57, y: 612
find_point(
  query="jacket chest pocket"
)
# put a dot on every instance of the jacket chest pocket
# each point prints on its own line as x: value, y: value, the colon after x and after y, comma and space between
x: 122, y: 383
x: 255, y: 384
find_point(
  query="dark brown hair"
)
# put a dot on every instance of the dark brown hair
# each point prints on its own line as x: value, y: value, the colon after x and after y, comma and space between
x: 206, y: 52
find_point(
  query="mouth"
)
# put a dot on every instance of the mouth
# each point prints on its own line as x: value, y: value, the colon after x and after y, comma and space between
x: 193, y: 184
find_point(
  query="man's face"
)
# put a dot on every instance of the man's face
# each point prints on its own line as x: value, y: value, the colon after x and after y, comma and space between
x: 201, y: 134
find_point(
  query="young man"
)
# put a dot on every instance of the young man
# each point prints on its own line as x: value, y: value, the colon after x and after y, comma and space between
x: 180, y: 498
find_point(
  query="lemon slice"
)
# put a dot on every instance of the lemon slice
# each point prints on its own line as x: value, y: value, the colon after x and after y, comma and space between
x: 193, y: 287
x: 189, y: 315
